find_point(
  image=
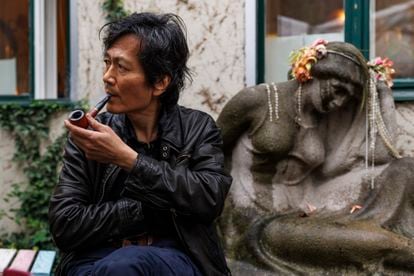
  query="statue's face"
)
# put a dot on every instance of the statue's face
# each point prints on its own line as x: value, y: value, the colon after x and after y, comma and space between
x: 331, y: 94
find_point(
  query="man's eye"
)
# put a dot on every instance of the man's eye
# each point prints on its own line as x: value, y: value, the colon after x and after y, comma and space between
x: 122, y: 68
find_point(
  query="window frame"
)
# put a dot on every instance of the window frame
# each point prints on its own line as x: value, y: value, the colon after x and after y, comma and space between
x: 35, y: 27
x: 357, y: 23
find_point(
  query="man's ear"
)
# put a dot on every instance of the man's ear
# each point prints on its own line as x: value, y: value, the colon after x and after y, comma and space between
x: 161, y: 85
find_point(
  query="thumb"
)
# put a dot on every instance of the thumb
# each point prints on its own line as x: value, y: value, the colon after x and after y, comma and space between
x: 94, y: 123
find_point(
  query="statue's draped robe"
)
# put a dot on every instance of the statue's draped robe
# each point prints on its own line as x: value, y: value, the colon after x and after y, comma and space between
x: 338, y: 175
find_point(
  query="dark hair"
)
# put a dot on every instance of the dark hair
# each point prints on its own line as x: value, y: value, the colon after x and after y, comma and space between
x: 163, y: 48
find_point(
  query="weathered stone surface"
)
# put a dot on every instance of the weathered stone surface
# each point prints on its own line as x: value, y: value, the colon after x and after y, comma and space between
x: 405, y: 121
x: 312, y: 192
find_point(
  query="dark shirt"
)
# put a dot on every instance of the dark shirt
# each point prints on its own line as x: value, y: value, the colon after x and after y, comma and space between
x: 159, y: 222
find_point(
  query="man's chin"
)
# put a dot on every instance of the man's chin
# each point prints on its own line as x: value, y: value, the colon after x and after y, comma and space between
x: 113, y: 110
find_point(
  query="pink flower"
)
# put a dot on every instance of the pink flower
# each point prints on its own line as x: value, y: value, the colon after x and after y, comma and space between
x: 383, y: 69
x: 319, y: 42
x: 378, y: 61
x: 387, y: 62
x: 320, y: 51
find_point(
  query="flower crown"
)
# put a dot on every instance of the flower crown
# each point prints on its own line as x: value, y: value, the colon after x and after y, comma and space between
x: 383, y: 70
x: 304, y: 58
x: 302, y: 61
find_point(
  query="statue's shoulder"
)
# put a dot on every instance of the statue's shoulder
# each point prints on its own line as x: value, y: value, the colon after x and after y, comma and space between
x: 250, y: 95
x: 254, y: 90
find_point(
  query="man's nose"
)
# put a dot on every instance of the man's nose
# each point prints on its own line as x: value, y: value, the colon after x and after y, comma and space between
x: 108, y: 77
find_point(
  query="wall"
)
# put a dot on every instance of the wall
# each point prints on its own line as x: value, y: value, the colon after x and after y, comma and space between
x: 9, y: 174
x: 215, y: 31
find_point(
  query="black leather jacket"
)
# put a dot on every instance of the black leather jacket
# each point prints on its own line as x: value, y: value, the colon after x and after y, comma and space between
x: 189, y: 181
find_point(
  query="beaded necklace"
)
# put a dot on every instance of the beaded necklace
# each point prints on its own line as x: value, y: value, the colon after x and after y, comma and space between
x: 298, y: 117
x: 376, y: 125
x: 269, y: 100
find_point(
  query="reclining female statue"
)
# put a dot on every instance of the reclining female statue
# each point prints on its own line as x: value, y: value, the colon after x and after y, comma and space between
x: 318, y: 185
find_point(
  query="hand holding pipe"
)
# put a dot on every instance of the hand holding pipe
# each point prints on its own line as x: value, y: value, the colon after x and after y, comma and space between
x: 78, y: 118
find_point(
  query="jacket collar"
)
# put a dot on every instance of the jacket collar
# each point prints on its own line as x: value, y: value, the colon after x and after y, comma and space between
x: 169, y: 127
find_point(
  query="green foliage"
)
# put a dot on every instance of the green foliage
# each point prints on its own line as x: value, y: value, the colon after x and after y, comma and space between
x: 29, y: 126
x: 114, y: 10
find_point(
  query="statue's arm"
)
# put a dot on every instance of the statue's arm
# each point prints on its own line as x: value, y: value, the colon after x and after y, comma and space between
x: 387, y: 107
x: 237, y: 115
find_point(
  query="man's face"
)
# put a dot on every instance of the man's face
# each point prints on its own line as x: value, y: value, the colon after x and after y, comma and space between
x: 331, y: 94
x: 125, y: 80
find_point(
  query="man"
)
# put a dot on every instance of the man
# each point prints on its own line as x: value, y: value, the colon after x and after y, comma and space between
x: 141, y: 188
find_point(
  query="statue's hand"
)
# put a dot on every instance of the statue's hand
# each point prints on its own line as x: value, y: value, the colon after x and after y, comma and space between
x: 292, y: 171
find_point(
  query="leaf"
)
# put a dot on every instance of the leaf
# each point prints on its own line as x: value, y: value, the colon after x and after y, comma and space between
x: 29, y: 125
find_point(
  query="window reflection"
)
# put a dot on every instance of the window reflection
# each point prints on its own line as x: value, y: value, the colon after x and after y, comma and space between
x: 394, y: 34
x: 14, y: 47
x: 62, y: 55
x: 296, y: 23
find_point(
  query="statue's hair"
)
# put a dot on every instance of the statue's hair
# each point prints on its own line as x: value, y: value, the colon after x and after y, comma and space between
x: 345, y: 62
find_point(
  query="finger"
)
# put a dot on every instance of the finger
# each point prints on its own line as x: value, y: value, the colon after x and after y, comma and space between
x: 95, y: 124
x: 68, y: 125
x: 83, y: 144
x: 78, y: 131
x: 90, y: 152
x: 81, y: 141
x: 71, y: 128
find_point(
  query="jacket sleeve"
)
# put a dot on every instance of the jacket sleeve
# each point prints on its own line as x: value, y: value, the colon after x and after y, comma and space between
x: 75, y: 220
x: 196, y: 186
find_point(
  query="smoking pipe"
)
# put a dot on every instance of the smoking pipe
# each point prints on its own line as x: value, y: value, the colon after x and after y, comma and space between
x: 78, y: 118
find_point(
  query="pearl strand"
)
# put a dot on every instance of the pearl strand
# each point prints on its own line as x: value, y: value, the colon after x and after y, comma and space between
x: 372, y: 126
x: 377, y: 126
x: 299, y: 104
x: 276, y: 100
x: 269, y: 101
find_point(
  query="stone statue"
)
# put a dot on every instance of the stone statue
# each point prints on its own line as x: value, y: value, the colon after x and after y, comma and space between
x: 318, y: 186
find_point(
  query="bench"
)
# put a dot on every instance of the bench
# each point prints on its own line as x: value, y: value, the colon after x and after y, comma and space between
x: 26, y: 262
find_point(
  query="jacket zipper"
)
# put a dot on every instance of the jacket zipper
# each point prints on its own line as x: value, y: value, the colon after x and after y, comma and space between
x: 105, y: 182
x: 177, y: 229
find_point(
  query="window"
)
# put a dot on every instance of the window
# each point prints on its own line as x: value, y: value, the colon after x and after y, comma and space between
x: 14, y: 48
x: 292, y: 24
x: 377, y: 27
x: 394, y: 34
x: 392, y: 22
x: 34, y: 57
